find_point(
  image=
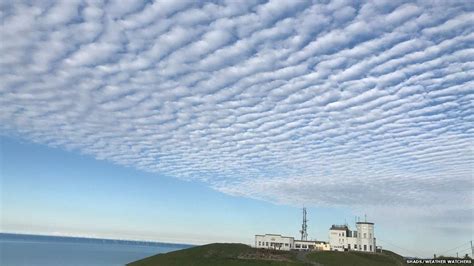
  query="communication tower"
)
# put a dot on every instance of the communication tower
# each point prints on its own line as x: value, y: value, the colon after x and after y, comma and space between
x: 304, y: 227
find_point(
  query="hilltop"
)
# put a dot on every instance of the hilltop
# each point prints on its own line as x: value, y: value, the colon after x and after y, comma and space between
x: 243, y: 255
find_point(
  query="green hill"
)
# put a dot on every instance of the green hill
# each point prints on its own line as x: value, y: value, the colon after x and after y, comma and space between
x: 353, y: 258
x: 243, y: 255
x: 221, y: 254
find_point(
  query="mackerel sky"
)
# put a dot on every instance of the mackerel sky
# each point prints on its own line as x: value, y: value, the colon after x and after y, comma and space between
x: 366, y: 106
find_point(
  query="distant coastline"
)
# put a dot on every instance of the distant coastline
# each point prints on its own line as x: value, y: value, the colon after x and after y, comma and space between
x: 46, y: 250
x: 76, y: 239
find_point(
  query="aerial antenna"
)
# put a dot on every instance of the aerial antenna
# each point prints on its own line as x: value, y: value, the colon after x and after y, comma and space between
x: 472, y: 250
x: 304, y: 226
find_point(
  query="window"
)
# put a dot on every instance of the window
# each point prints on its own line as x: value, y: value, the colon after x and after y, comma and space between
x: 266, y: 244
x: 348, y: 246
x: 355, y: 246
x: 286, y: 244
x: 342, y: 234
x: 365, y: 235
x: 370, y: 247
x: 365, y: 247
x: 370, y: 235
x: 297, y: 246
x: 259, y: 243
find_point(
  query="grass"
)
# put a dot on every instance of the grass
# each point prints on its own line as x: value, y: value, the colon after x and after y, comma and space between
x: 394, y: 255
x: 336, y: 258
x: 243, y: 255
x: 221, y: 254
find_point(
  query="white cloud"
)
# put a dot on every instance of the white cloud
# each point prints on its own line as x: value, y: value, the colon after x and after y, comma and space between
x: 360, y: 106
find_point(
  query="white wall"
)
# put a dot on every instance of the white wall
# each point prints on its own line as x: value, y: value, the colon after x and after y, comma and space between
x: 365, y: 237
x: 351, y: 243
x: 365, y: 240
x: 311, y: 245
x: 271, y: 241
x: 337, y: 239
x: 305, y: 245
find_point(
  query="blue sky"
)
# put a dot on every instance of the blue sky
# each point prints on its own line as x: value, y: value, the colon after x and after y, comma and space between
x: 70, y: 194
x: 117, y: 116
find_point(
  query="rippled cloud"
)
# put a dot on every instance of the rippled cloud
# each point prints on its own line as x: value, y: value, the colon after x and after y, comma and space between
x: 362, y: 105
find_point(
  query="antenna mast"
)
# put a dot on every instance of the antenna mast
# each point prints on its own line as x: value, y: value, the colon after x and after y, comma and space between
x: 304, y: 227
x: 472, y: 250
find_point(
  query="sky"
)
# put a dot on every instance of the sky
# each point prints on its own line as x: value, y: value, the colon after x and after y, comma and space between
x: 196, y: 122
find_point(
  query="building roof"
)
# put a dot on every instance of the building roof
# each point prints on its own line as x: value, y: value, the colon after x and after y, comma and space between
x: 275, y: 235
x: 339, y: 227
x: 364, y: 223
x: 310, y: 241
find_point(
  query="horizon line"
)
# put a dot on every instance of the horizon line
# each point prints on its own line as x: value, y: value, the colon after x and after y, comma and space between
x: 95, y: 238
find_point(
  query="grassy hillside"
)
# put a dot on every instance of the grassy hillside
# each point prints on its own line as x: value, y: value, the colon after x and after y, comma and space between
x: 243, y: 255
x: 221, y: 254
x: 394, y: 255
x: 330, y: 258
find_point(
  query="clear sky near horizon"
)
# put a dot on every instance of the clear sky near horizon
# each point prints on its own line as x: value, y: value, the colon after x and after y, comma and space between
x: 197, y: 122
x: 70, y: 194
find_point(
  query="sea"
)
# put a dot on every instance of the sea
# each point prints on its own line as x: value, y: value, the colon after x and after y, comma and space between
x: 35, y: 250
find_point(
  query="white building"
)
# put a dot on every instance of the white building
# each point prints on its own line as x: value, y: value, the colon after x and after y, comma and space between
x: 304, y: 245
x: 273, y: 241
x: 311, y: 245
x: 338, y: 237
x: 279, y: 242
x: 341, y: 238
x: 366, y: 237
